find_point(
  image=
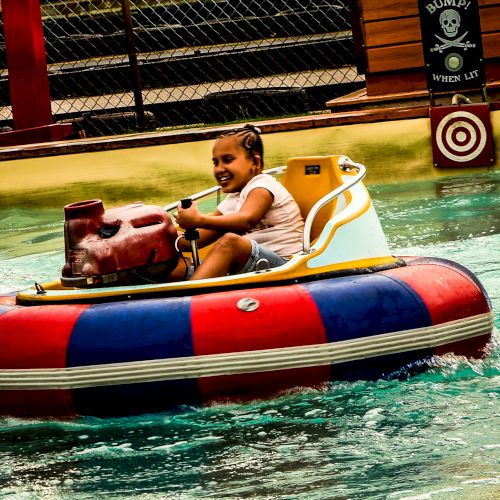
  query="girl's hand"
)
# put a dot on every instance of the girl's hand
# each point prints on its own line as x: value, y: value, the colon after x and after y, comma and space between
x: 188, y: 218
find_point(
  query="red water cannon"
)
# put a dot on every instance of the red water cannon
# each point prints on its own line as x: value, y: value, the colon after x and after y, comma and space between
x: 129, y: 244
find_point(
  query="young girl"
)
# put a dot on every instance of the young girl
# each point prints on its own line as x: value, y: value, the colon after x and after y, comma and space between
x: 258, y: 219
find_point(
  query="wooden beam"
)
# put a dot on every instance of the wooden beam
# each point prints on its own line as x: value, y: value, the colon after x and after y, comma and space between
x: 27, y: 64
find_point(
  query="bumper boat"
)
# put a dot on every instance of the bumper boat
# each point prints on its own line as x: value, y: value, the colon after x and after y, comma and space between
x: 96, y: 343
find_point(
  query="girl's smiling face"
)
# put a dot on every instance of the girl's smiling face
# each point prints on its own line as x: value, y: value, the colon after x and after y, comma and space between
x: 233, y: 167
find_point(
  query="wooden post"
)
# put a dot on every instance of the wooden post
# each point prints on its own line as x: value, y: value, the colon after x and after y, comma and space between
x: 27, y: 63
x: 28, y: 77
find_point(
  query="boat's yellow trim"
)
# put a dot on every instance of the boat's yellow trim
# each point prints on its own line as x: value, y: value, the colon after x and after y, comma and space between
x: 296, y: 269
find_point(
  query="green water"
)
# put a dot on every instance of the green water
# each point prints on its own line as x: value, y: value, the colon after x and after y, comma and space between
x: 435, y: 436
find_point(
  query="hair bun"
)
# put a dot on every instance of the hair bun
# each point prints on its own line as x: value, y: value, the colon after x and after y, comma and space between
x: 253, y: 128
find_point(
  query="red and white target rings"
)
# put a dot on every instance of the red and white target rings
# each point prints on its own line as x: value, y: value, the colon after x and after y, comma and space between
x: 461, y: 137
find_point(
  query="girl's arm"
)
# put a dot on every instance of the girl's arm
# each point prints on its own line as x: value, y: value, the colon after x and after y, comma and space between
x: 256, y: 205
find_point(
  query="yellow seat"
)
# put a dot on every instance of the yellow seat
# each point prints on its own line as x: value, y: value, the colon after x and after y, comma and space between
x: 308, y: 179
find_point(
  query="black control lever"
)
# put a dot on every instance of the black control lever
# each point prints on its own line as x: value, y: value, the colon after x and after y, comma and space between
x: 192, y: 235
x: 186, y: 202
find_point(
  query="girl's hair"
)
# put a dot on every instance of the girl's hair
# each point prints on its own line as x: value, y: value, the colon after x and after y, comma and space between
x: 250, y: 140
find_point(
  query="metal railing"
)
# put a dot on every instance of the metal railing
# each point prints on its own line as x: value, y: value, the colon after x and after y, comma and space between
x: 345, y: 164
x: 119, y: 65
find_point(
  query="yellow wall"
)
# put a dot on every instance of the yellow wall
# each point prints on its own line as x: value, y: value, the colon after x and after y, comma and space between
x: 395, y: 151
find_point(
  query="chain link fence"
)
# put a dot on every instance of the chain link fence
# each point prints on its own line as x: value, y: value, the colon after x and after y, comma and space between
x: 118, y: 65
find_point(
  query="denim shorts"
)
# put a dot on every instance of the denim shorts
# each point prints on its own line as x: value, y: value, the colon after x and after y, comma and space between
x: 259, y: 252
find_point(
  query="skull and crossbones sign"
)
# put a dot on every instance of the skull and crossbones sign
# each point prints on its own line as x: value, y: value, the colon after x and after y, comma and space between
x: 450, y: 23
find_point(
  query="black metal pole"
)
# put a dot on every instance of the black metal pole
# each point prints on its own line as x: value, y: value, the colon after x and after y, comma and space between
x: 134, y: 67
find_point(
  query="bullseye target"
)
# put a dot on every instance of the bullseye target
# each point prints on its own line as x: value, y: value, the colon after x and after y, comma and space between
x: 461, y: 137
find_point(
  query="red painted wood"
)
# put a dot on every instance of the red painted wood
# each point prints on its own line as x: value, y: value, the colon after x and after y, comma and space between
x: 27, y: 63
x: 45, y: 133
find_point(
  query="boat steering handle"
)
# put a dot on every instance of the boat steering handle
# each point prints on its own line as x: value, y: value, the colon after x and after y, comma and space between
x: 192, y: 235
x: 186, y: 202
